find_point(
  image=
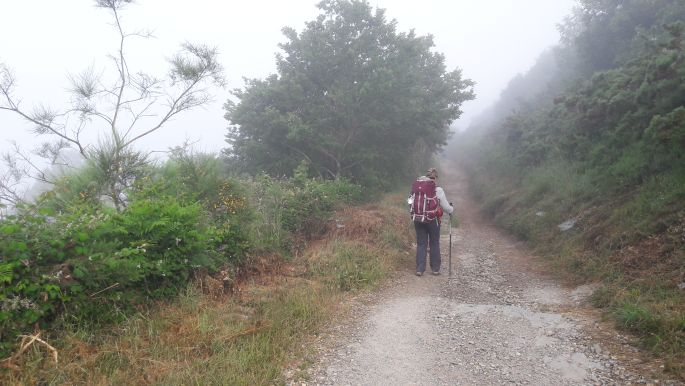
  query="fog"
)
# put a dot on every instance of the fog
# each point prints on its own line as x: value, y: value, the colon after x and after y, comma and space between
x: 43, y: 41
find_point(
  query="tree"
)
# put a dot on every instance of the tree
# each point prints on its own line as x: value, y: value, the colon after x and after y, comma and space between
x: 606, y: 33
x: 121, y: 110
x: 352, y: 97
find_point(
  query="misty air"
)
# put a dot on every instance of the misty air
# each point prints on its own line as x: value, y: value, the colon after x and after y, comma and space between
x: 342, y: 192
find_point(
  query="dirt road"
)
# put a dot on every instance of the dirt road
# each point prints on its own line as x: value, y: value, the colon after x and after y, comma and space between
x: 497, y: 321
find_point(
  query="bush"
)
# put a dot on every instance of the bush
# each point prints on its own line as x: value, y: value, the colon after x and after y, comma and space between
x: 71, y: 258
x: 94, y: 265
x: 285, y: 210
x: 312, y: 202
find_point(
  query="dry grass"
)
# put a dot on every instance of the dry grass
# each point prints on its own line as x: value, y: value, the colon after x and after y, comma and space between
x: 361, y: 224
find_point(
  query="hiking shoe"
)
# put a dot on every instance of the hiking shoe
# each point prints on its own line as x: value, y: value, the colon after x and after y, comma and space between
x: 436, y: 273
x: 419, y: 273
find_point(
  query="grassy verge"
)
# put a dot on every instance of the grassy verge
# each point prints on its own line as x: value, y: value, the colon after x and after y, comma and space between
x: 632, y: 243
x: 245, y: 338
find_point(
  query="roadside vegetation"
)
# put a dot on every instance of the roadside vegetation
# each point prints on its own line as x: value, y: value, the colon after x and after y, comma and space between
x: 183, y: 286
x: 584, y: 158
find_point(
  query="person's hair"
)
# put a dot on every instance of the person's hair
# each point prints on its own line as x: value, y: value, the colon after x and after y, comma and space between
x: 432, y: 173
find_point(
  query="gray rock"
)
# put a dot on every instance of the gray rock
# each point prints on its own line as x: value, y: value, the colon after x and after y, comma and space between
x: 566, y: 225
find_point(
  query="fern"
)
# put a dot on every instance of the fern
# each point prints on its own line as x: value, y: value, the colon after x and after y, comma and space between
x: 6, y: 272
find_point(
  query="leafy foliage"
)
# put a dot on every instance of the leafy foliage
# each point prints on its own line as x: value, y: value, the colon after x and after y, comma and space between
x: 351, y: 96
x: 97, y: 264
x: 242, y: 340
x: 604, y: 34
x: 72, y: 259
x: 288, y: 212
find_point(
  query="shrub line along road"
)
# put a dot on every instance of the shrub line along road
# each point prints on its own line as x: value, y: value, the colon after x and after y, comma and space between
x: 499, y: 320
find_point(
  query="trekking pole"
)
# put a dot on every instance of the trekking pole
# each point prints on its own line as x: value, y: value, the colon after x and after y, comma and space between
x: 450, y: 249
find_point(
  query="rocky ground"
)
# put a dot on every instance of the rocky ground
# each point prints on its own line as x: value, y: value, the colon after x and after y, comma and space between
x: 498, y: 320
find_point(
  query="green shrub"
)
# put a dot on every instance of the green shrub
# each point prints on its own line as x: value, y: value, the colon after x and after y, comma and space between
x: 285, y: 210
x: 312, y: 202
x: 94, y: 265
x: 73, y: 259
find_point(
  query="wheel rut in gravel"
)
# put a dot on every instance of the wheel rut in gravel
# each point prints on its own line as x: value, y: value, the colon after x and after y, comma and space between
x: 497, y: 320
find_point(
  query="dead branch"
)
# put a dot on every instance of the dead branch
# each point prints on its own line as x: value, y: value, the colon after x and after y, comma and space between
x: 103, y: 290
x: 26, y: 342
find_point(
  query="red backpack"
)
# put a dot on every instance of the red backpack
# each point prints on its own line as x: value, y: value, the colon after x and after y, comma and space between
x: 423, y: 201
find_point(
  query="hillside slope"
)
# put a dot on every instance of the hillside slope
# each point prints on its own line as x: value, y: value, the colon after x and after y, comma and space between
x: 591, y: 170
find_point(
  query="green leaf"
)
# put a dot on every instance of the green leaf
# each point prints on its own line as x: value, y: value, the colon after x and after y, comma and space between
x: 9, y: 229
x: 80, y: 273
x: 46, y: 211
x: 6, y: 272
x: 18, y: 246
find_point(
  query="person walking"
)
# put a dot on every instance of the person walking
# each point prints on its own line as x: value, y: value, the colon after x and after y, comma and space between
x: 428, y: 227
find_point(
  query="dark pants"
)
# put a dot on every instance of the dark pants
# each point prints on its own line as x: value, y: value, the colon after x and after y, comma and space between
x: 427, y: 233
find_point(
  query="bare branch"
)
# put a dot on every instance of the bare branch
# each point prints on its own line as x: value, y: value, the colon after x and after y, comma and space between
x: 98, y: 114
x: 194, y: 65
x: 13, y: 167
x: 112, y: 4
x: 79, y: 129
x: 123, y: 104
x: 173, y: 109
x: 146, y: 34
x: 10, y: 180
x: 38, y: 172
x: 145, y: 84
x: 51, y: 151
x: 8, y: 190
x: 112, y: 91
x: 6, y: 85
x: 138, y: 116
x: 42, y: 118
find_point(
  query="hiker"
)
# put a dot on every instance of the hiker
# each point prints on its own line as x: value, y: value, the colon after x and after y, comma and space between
x: 428, y: 202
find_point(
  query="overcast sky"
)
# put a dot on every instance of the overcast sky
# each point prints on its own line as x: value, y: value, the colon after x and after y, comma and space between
x: 43, y: 41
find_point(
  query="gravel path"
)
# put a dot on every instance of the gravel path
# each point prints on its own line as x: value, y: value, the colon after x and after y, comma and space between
x: 495, y: 322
